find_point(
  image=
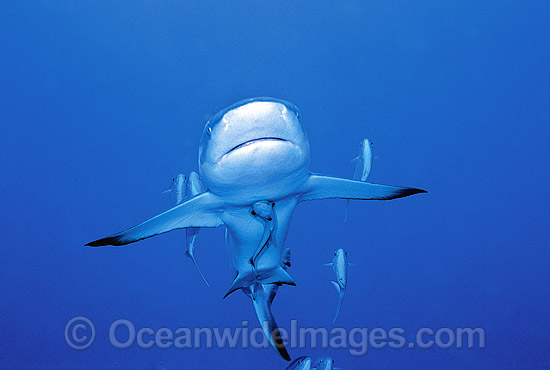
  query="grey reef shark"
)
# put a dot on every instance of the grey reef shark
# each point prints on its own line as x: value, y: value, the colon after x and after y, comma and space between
x: 254, y: 166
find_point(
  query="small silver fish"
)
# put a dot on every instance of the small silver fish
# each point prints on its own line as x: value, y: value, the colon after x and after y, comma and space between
x: 301, y: 363
x: 363, y: 163
x: 324, y: 363
x: 193, y: 187
x: 340, y: 266
x: 177, y: 189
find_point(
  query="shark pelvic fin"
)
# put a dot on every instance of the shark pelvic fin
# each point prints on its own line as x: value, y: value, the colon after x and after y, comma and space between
x: 245, y: 280
x: 241, y: 281
x: 277, y: 276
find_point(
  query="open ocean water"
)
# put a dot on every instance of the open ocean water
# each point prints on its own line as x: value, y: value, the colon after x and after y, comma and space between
x: 103, y: 102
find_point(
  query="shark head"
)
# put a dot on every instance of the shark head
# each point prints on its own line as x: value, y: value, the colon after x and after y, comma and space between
x: 256, y: 146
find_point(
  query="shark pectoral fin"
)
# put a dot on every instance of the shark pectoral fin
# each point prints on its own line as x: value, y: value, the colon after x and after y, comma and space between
x: 200, y: 211
x: 352, y: 264
x: 276, y: 276
x: 326, y: 187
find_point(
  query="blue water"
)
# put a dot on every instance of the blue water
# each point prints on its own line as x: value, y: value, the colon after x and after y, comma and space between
x: 102, y: 103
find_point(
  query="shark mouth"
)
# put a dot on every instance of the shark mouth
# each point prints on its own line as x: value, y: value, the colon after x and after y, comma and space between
x: 246, y: 143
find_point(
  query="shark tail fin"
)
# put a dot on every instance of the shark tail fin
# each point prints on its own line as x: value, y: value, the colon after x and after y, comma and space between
x: 340, y: 300
x: 269, y: 327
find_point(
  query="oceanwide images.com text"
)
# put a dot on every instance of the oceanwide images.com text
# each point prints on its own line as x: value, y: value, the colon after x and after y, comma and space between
x: 80, y: 334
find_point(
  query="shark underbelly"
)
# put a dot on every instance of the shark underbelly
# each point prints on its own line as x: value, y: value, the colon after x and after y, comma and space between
x: 245, y: 234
